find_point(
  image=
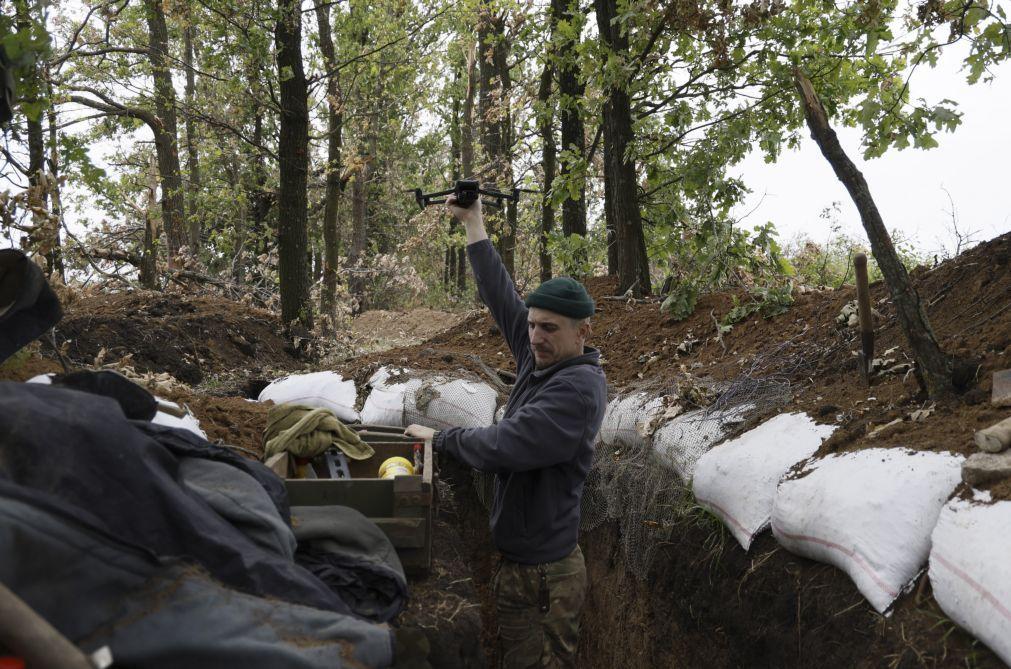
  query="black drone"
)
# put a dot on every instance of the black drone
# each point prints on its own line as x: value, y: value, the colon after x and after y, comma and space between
x: 467, y: 192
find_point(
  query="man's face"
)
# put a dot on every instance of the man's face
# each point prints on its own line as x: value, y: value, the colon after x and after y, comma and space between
x: 554, y: 337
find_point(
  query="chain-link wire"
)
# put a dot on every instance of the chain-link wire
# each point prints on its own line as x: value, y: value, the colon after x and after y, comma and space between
x: 648, y: 446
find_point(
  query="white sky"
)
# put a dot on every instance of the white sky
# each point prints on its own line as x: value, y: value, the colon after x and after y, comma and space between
x: 971, y: 163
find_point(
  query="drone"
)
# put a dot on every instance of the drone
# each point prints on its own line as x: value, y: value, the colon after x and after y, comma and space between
x: 467, y: 192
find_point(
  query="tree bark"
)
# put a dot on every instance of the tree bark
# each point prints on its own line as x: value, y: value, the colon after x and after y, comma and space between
x: 450, y: 269
x: 359, y: 229
x: 622, y: 206
x: 165, y: 132
x: 467, y: 151
x: 933, y: 365
x: 293, y: 152
x: 54, y: 259
x: 334, y: 186
x: 149, y: 252
x: 493, y: 108
x: 195, y: 220
x: 571, y: 89
x: 546, y: 127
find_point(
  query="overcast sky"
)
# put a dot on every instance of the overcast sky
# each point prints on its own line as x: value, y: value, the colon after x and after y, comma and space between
x: 908, y: 186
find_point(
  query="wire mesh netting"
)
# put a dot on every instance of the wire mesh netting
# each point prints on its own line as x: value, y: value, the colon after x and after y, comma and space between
x: 654, y: 434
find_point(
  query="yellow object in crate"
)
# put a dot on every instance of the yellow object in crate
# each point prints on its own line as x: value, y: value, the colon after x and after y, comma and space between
x: 395, y: 466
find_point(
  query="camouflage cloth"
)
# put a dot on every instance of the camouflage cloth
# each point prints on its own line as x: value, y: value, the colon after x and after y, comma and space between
x: 538, y: 611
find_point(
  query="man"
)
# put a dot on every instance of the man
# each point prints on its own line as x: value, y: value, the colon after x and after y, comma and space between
x: 540, y: 452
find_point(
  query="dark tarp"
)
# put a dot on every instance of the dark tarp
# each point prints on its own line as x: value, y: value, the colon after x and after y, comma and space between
x: 134, y: 491
x: 351, y: 554
x: 161, y: 613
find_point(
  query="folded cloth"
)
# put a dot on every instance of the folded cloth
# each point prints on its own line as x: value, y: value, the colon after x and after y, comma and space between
x: 28, y: 306
x: 349, y: 553
x: 307, y: 432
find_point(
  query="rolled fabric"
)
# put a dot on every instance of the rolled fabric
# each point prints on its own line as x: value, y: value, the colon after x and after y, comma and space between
x: 995, y: 438
x: 307, y: 432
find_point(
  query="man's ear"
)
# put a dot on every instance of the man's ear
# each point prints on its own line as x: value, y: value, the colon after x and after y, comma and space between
x: 585, y: 329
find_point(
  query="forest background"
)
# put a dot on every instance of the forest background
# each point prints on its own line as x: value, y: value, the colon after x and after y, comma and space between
x: 268, y: 149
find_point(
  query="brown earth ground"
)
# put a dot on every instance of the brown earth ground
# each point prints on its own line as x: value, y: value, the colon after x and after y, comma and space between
x: 704, y: 602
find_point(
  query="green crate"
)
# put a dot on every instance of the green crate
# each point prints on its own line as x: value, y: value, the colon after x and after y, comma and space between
x: 401, y: 507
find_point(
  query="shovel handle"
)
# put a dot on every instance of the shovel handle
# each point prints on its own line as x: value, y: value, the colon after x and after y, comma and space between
x: 864, y: 308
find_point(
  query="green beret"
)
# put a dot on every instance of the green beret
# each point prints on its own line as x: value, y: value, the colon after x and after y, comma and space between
x: 562, y: 295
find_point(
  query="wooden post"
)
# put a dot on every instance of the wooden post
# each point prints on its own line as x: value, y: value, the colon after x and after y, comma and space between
x: 933, y: 366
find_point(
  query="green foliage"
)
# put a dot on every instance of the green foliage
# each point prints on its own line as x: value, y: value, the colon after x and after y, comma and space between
x: 768, y: 301
x: 830, y: 263
x: 575, y: 255
x: 680, y: 304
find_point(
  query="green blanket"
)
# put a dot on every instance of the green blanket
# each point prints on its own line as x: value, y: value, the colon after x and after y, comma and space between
x: 306, y: 432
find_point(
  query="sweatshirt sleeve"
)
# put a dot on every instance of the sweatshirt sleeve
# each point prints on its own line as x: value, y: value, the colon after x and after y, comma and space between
x: 499, y: 293
x: 540, y: 434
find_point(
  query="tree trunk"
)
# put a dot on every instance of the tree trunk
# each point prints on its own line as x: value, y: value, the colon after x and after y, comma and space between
x: 933, y: 365
x: 493, y: 108
x: 335, y: 124
x: 450, y: 270
x: 293, y: 152
x: 149, y: 251
x: 467, y: 151
x: 359, y: 230
x: 571, y: 91
x: 165, y: 132
x: 623, y: 204
x: 545, y: 125
x: 54, y: 259
x: 195, y: 220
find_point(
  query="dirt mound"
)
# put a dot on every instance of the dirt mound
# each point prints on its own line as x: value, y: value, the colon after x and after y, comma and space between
x: 401, y: 328
x: 191, y: 338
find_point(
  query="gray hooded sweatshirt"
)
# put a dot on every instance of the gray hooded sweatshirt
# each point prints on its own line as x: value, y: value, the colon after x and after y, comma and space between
x: 542, y: 448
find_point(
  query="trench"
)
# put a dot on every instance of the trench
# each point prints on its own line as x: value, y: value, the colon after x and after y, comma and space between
x: 704, y: 602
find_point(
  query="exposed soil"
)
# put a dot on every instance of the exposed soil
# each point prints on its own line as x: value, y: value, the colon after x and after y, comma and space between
x: 704, y: 602
x: 188, y: 337
x: 380, y: 329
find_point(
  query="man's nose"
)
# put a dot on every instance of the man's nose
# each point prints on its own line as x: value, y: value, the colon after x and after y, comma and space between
x: 535, y: 335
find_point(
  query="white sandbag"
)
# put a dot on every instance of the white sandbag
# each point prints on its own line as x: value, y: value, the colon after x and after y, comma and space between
x: 624, y: 420
x: 385, y: 403
x: 44, y: 379
x: 441, y: 403
x: 870, y: 513
x: 325, y: 390
x: 737, y: 480
x: 686, y: 438
x: 186, y: 422
x: 970, y: 572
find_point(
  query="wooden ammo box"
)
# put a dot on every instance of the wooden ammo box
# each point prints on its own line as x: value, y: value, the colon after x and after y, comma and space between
x: 401, y: 506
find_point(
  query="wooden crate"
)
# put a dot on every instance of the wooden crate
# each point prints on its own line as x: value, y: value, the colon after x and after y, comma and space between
x: 402, y: 507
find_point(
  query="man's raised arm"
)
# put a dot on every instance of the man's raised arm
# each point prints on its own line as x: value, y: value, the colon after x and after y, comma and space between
x: 493, y: 282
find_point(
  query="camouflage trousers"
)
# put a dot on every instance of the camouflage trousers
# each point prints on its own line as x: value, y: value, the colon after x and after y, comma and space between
x: 538, y: 611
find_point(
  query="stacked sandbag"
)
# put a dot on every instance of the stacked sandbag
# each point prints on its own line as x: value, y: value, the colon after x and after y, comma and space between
x: 870, y: 513
x: 684, y: 440
x: 970, y: 572
x: 402, y: 398
x: 737, y: 480
x: 324, y: 390
x: 625, y: 418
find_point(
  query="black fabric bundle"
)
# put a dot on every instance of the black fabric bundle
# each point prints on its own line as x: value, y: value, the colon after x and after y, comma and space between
x: 28, y: 306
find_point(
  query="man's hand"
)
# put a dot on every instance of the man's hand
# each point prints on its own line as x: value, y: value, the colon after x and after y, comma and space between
x: 419, y: 432
x: 472, y: 218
